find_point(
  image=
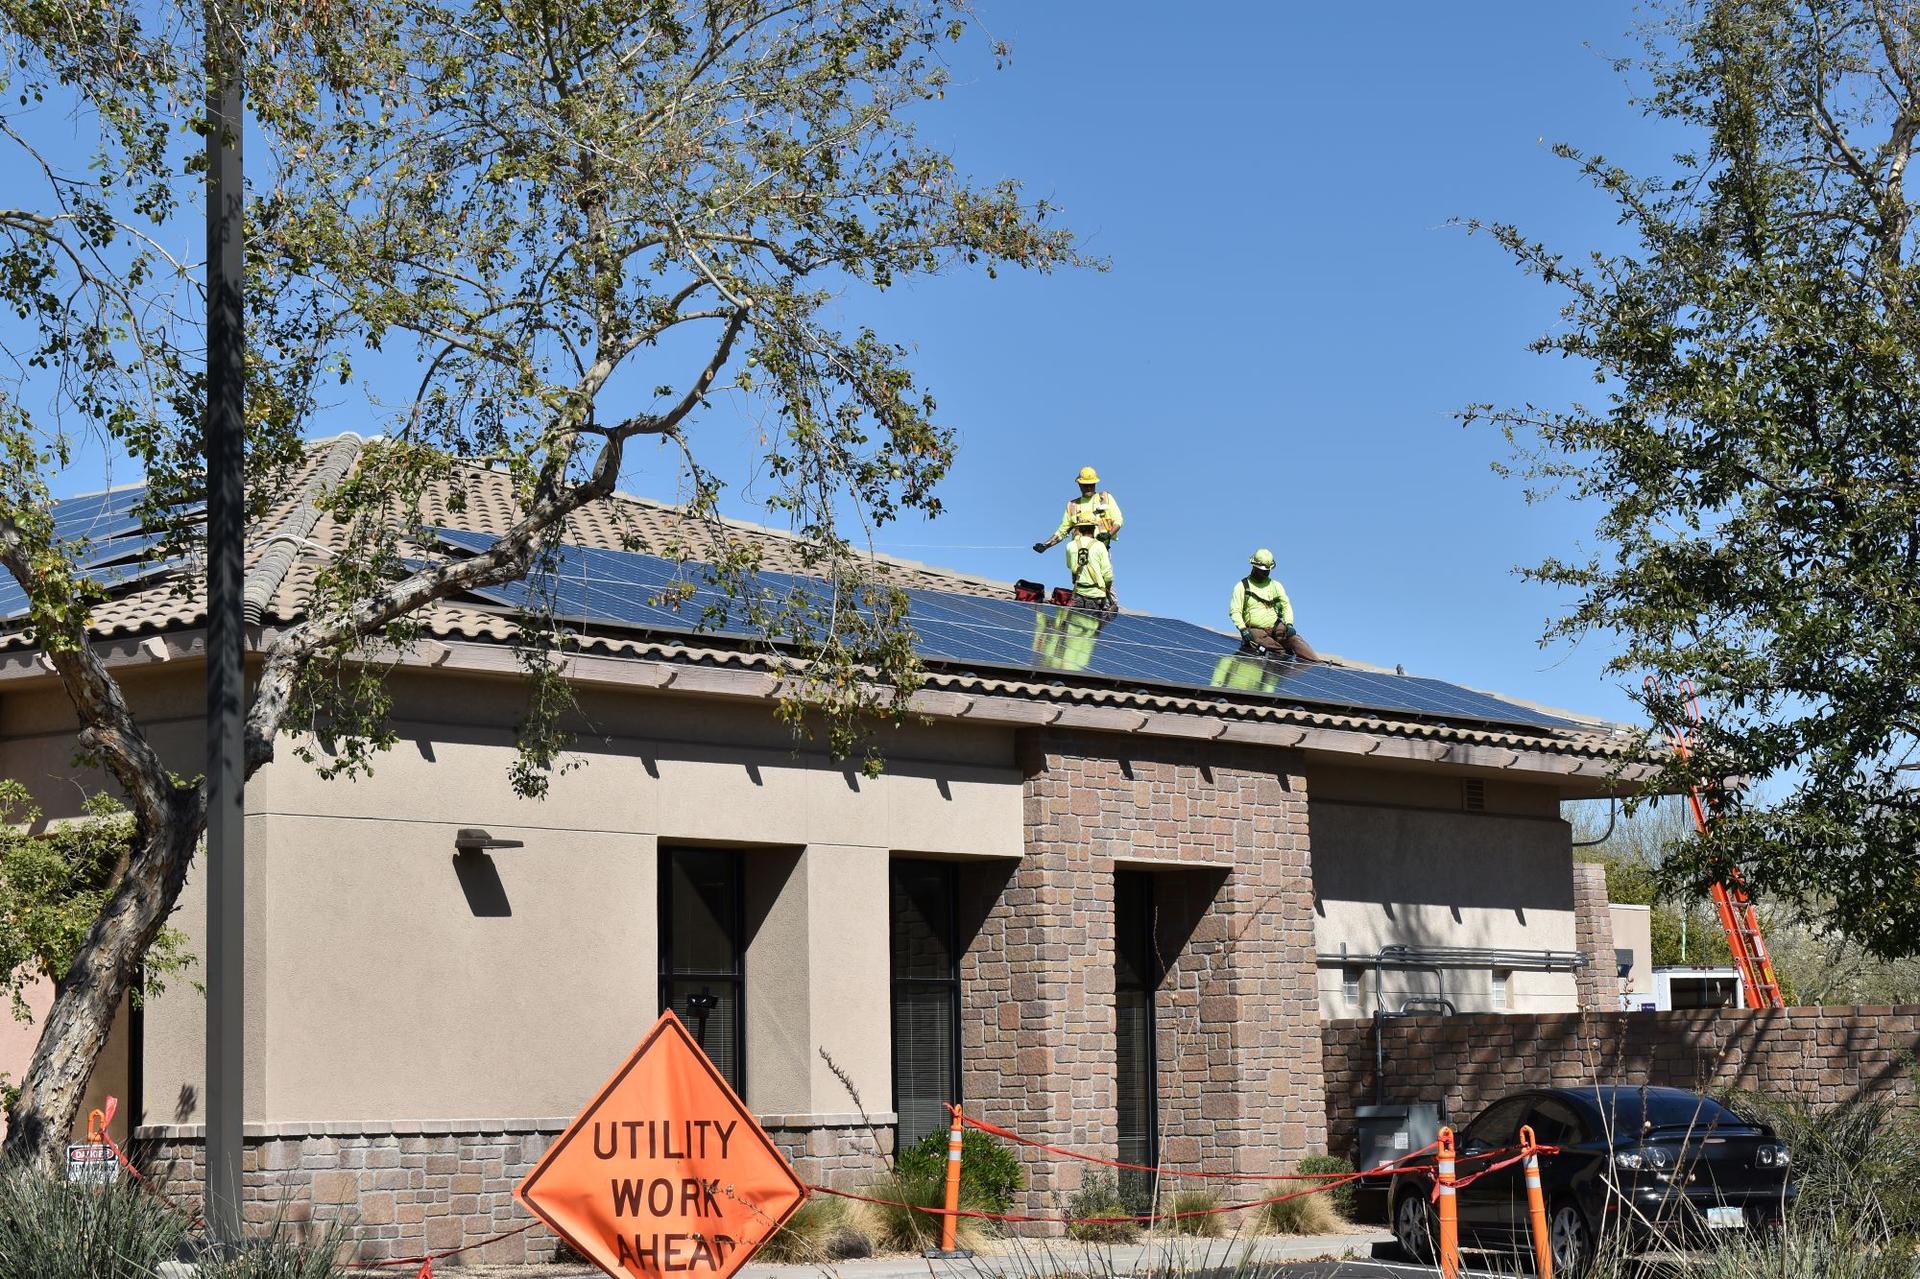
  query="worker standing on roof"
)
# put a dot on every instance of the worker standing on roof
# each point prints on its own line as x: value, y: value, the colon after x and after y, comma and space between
x: 1092, y: 569
x: 1263, y: 614
x: 1105, y: 511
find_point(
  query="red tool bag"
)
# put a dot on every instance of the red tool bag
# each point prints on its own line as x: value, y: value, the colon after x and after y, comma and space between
x: 1063, y: 595
x: 1028, y: 592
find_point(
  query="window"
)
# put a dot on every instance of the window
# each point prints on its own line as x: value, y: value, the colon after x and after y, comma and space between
x: 926, y: 997
x: 702, y: 976
x: 1350, y: 986
x: 1500, y: 976
x: 1555, y: 1124
x: 1498, y: 1128
x: 1137, y: 974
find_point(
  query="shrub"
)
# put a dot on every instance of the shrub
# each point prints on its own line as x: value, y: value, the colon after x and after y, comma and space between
x: 52, y: 1230
x: 1341, y: 1196
x: 1856, y: 1163
x: 823, y: 1229
x: 1099, y: 1196
x: 910, y: 1229
x: 990, y: 1174
x: 1300, y: 1215
x: 1207, y: 1227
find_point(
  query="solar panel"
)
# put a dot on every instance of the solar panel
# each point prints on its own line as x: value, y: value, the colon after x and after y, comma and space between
x: 117, y: 542
x: 13, y: 600
x: 593, y: 586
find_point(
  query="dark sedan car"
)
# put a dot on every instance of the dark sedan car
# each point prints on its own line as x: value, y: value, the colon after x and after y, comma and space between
x: 1645, y: 1165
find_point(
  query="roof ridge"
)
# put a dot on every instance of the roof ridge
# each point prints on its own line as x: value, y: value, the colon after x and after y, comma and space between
x: 277, y: 557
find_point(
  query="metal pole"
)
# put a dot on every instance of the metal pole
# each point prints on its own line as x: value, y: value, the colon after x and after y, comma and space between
x: 226, y: 673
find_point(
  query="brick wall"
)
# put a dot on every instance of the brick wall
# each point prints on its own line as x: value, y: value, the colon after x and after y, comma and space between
x: 441, y: 1186
x: 1598, y: 983
x: 1824, y: 1055
x: 1237, y: 1013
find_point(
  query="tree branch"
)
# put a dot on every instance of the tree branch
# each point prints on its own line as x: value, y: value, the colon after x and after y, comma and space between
x: 107, y: 725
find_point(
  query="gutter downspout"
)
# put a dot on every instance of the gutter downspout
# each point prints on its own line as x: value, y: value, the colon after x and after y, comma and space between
x: 271, y: 570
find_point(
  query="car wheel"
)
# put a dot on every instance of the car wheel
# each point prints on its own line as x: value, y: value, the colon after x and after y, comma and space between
x: 1570, y: 1239
x: 1413, y: 1225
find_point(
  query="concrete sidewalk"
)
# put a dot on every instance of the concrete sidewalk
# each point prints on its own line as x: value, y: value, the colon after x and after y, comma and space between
x: 1035, y: 1259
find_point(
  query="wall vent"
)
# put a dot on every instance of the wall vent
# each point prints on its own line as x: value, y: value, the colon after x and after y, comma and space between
x: 1473, y: 795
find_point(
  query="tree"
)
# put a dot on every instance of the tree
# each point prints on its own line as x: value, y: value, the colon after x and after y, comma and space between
x: 572, y: 227
x: 1754, y: 451
x: 1683, y: 927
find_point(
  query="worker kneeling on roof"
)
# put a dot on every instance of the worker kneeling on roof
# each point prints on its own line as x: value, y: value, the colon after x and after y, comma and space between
x: 1105, y: 512
x: 1091, y: 567
x: 1263, y: 614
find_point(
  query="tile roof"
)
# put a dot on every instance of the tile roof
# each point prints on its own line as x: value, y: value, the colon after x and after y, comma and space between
x: 482, y: 501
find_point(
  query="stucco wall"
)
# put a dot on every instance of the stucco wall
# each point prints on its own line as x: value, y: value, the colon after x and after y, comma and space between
x: 389, y: 980
x: 1385, y: 873
x: 1633, y: 930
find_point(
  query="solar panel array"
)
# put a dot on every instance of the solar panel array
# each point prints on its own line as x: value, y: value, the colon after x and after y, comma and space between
x: 592, y: 586
x: 117, y: 543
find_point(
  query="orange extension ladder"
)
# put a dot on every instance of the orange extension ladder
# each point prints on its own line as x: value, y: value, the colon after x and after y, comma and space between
x: 1737, y: 917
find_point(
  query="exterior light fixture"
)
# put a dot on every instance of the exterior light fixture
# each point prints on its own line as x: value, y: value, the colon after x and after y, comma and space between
x: 472, y: 839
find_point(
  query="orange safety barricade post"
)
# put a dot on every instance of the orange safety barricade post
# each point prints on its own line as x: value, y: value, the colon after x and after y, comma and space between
x: 950, y: 1219
x: 1536, y: 1205
x: 1449, y: 1211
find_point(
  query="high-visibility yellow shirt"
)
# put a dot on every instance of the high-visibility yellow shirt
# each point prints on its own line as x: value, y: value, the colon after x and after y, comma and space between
x: 1260, y: 606
x: 1091, y: 567
x: 1106, y: 516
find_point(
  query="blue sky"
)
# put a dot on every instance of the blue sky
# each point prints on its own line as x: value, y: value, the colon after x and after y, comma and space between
x: 1289, y: 322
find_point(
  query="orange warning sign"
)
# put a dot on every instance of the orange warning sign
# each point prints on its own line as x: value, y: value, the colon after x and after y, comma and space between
x: 664, y: 1172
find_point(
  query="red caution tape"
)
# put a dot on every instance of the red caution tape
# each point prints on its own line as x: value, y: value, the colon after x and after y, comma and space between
x: 1162, y: 1171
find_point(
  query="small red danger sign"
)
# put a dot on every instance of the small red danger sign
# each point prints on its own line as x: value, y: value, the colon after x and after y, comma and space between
x: 665, y: 1172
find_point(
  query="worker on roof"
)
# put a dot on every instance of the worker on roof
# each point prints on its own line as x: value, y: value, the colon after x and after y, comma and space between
x: 1092, y: 569
x: 1105, y: 511
x: 1263, y: 614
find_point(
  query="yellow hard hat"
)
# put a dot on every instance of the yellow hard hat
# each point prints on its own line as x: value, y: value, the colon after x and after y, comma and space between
x: 1088, y: 476
x: 1085, y: 518
x: 1262, y: 558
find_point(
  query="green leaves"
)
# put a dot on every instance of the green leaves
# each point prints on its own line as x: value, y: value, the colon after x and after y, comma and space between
x: 52, y: 885
x: 591, y: 226
x: 1754, y: 455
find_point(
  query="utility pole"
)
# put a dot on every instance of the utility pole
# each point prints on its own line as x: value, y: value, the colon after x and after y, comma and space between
x: 226, y: 638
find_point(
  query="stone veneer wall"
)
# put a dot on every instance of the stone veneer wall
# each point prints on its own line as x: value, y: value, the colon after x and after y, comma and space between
x: 428, y: 1187
x: 1598, y: 983
x: 1238, y: 1016
x: 1822, y: 1055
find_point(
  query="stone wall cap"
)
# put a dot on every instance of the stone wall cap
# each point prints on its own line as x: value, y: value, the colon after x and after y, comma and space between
x: 287, y: 1130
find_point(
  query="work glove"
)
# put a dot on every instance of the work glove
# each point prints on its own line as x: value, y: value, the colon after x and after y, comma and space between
x: 1039, y: 546
x: 1287, y: 631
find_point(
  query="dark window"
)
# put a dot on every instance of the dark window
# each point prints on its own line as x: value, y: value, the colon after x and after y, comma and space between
x: 1555, y: 1124
x: 702, y: 973
x: 926, y: 998
x: 1136, y: 976
x: 1498, y: 1128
